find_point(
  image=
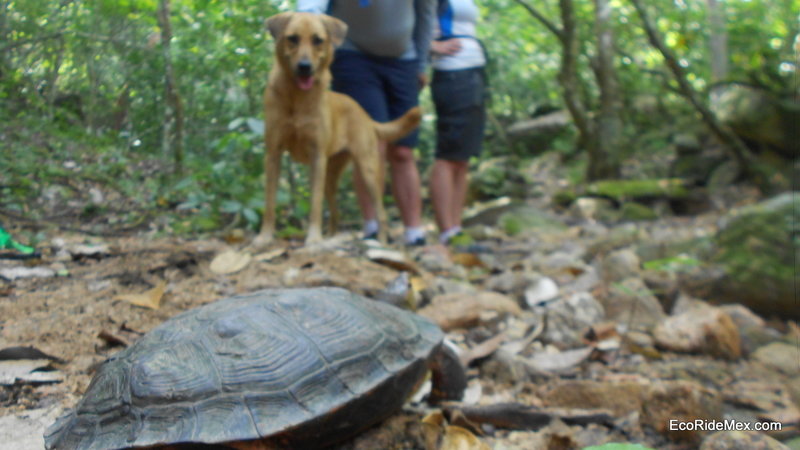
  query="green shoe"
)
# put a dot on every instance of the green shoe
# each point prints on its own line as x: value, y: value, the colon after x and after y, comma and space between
x: 11, y: 249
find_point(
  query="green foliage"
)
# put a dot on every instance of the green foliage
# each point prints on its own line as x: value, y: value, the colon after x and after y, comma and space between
x: 677, y: 263
x: 82, y: 98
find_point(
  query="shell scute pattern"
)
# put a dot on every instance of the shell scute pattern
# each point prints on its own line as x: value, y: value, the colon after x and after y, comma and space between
x: 251, y: 366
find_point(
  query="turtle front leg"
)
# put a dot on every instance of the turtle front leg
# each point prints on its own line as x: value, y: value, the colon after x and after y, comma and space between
x: 448, y: 375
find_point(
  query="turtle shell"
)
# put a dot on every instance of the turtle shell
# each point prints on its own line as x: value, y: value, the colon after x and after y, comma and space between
x: 299, y: 367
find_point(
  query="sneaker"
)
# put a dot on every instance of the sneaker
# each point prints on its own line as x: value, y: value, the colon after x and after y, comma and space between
x: 418, y: 242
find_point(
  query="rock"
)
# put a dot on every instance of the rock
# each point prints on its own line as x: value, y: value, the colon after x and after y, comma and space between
x: 462, y: 310
x: 682, y: 401
x: 740, y: 440
x: 632, y: 305
x: 511, y: 282
x: 549, y: 123
x: 621, y: 397
x: 14, y: 273
x: 618, y: 237
x: 567, y: 318
x: 635, y: 211
x: 697, y: 167
x: 758, y: 251
x: 497, y: 177
x: 763, y: 401
x: 529, y: 218
x: 591, y: 209
x: 700, y: 330
x: 784, y: 358
x: 759, y: 116
x: 619, y: 265
x: 664, y: 285
x: 656, y: 402
x: 488, y: 213
x: 752, y: 329
x: 25, y: 430
x: 542, y: 290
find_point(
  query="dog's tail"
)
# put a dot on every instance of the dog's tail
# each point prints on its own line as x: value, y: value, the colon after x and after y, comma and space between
x: 400, y: 127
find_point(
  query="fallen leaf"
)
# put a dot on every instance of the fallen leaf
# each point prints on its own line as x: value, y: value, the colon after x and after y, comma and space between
x: 229, y: 262
x: 149, y: 299
x: 468, y: 260
x: 28, y: 371
x: 483, y: 349
x: 432, y: 426
x: 394, y: 259
x: 457, y: 438
x: 558, y: 362
x: 459, y: 310
x: 270, y: 255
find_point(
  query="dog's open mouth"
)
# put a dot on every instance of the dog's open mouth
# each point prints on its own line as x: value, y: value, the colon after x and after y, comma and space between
x: 305, y: 82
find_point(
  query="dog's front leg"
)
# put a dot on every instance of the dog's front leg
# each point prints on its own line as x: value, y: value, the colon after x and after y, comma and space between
x: 319, y: 166
x: 272, y: 169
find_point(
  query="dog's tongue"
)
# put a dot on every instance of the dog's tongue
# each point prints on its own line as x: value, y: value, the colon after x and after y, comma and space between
x: 305, y: 83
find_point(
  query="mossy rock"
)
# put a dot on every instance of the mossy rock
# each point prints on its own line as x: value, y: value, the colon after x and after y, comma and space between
x: 758, y: 250
x: 635, y: 211
x: 626, y: 190
x: 526, y: 218
x: 621, y: 190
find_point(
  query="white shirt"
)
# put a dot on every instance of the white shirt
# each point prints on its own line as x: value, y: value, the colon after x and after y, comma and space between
x: 460, y: 19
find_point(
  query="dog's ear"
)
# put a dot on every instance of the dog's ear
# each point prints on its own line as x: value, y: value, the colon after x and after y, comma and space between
x: 337, y: 29
x: 277, y: 23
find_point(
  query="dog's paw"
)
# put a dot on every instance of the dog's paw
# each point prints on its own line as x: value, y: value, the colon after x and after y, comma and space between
x: 262, y: 241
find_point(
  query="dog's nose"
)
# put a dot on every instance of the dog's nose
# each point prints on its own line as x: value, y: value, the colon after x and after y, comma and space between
x: 304, y: 68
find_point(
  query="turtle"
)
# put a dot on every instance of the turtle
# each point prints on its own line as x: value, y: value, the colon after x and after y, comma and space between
x: 283, y: 368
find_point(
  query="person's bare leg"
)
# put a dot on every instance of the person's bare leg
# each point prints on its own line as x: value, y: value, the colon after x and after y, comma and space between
x: 460, y: 185
x: 448, y: 193
x: 406, y: 184
x: 441, y: 193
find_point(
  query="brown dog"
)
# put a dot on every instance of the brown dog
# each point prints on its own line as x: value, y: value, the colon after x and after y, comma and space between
x: 318, y: 127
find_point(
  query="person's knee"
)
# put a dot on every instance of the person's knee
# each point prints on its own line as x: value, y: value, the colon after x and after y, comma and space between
x: 400, y: 155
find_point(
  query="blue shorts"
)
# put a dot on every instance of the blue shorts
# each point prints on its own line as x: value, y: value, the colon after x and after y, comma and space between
x: 385, y: 87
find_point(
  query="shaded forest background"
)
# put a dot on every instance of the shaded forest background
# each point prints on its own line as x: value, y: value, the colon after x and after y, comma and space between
x: 159, y: 101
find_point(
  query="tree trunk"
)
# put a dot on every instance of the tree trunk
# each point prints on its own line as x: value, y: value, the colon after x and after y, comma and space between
x: 600, y: 137
x: 718, y: 45
x: 173, y: 123
x: 605, y: 164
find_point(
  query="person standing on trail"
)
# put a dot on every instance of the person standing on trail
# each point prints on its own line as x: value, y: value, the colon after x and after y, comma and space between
x: 382, y: 65
x: 459, y: 94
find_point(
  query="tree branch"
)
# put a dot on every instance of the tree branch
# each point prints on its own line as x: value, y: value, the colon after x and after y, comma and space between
x: 740, y: 153
x: 541, y: 18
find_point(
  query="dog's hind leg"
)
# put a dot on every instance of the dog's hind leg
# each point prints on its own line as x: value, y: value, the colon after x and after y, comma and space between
x: 336, y: 165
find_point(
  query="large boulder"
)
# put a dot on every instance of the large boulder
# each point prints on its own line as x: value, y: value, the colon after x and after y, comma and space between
x: 758, y: 251
x: 760, y: 117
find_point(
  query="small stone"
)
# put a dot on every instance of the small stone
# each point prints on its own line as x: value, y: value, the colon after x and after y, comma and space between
x: 784, y: 358
x: 620, y: 265
x: 700, y: 330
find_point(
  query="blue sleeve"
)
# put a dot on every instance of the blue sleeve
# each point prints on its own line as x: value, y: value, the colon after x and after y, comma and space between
x: 314, y: 6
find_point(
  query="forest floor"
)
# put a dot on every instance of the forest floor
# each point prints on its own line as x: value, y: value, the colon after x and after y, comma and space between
x: 583, y: 364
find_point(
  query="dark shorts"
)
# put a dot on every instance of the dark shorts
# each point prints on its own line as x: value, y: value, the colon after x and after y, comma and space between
x: 385, y: 87
x: 460, y: 99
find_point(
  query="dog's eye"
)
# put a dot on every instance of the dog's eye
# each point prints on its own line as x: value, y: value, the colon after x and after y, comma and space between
x: 293, y: 39
x: 316, y: 40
